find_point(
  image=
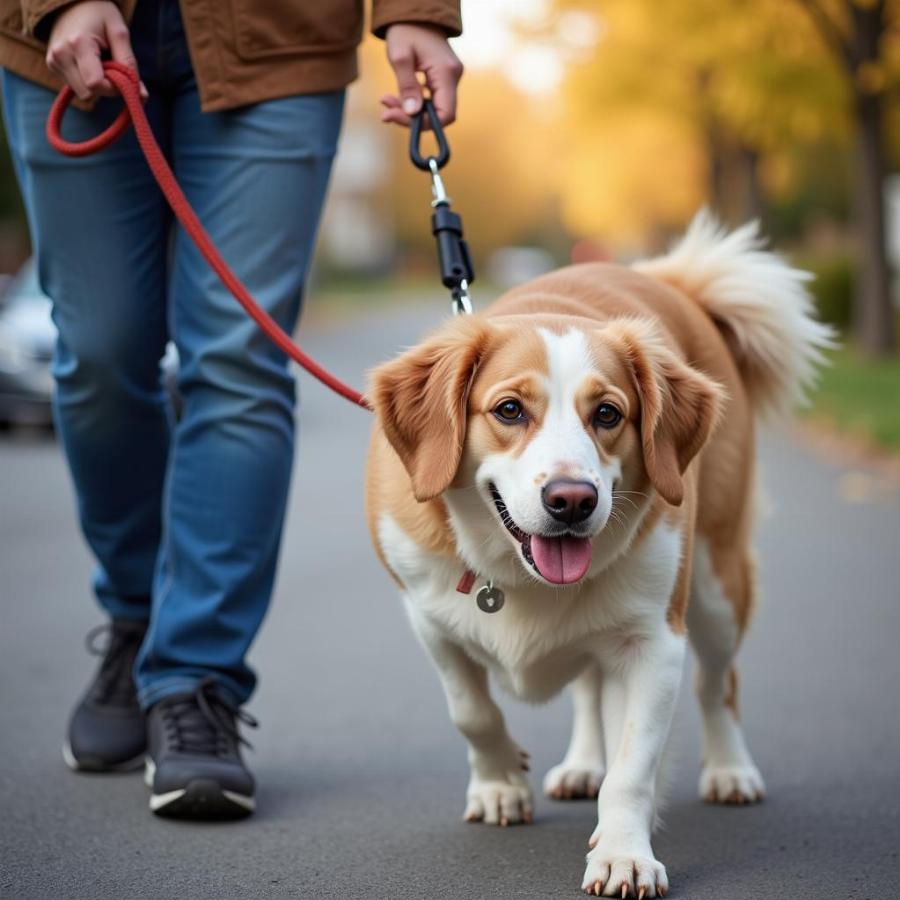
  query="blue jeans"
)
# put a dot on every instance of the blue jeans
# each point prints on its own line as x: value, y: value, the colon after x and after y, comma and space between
x: 184, y: 520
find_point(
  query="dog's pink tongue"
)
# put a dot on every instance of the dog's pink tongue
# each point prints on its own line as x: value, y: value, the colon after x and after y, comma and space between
x: 561, y: 560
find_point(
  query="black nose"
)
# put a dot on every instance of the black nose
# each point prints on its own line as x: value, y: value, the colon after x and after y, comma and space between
x: 569, y: 501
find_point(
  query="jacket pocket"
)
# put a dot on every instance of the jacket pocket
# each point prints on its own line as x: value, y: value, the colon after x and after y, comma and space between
x: 12, y: 26
x: 291, y: 27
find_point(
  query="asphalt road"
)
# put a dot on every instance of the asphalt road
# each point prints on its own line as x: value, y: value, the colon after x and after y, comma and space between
x: 361, y: 773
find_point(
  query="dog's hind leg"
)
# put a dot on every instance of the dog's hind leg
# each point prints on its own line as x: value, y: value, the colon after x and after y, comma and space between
x: 721, y: 588
x: 498, y: 791
x: 581, y: 771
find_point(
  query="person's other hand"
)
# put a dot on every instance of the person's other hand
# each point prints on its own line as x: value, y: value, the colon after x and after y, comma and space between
x: 421, y: 48
x: 80, y: 34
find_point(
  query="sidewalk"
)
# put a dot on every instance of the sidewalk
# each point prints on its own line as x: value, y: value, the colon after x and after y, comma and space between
x: 362, y: 775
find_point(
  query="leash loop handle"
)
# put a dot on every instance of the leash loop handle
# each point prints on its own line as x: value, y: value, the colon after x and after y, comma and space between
x: 105, y: 138
x: 126, y: 82
x: 415, y: 139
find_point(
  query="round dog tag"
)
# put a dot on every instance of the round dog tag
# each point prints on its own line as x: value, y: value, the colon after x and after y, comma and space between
x: 490, y: 599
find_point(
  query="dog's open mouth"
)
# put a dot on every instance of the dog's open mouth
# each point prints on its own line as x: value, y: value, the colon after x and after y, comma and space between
x: 560, y: 559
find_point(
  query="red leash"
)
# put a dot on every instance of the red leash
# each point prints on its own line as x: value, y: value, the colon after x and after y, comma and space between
x: 126, y: 82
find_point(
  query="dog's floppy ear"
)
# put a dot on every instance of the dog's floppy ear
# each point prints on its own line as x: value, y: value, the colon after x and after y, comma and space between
x: 679, y: 406
x: 421, y: 399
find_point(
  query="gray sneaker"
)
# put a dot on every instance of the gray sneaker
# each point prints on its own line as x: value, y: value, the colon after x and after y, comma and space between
x: 107, y: 731
x: 194, y: 764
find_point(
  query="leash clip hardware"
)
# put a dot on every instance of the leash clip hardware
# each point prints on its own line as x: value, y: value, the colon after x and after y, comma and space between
x: 438, y: 191
x: 415, y: 138
x: 462, y: 302
x: 457, y: 271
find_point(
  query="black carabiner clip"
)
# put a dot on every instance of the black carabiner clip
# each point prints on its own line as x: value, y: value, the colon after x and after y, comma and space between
x: 415, y: 139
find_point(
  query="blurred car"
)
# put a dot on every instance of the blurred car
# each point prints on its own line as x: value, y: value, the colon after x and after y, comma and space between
x: 510, y: 266
x: 27, y: 339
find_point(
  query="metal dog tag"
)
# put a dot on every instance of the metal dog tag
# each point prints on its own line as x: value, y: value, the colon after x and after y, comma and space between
x: 490, y: 599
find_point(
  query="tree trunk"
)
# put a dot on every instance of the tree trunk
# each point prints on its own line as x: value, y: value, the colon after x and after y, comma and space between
x: 874, y: 315
x: 734, y: 188
x: 875, y: 318
x: 717, y: 184
x: 753, y: 198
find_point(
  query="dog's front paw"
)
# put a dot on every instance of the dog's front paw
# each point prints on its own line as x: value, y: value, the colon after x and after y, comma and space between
x: 573, y: 781
x: 732, y: 784
x: 505, y: 802
x: 614, y: 871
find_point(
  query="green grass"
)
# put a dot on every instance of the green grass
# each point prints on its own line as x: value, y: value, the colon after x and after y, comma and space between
x: 861, y: 397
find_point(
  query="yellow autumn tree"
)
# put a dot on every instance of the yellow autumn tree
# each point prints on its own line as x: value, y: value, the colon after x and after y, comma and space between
x: 692, y: 95
x: 720, y: 92
x: 862, y: 38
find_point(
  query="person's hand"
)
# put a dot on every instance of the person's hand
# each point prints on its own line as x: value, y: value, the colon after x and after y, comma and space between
x: 421, y: 48
x: 80, y: 34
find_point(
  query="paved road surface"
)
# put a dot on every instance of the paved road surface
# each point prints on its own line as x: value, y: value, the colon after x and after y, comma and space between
x: 361, y: 773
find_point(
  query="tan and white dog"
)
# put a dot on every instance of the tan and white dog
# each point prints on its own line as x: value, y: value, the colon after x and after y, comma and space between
x: 586, y: 445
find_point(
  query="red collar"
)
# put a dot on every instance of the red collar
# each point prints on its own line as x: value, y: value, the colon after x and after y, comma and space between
x: 467, y: 582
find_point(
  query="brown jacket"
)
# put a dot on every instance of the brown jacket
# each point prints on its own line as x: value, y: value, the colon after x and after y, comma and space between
x: 243, y: 51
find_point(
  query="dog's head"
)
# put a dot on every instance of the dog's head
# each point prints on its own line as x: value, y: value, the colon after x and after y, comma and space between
x: 555, y: 423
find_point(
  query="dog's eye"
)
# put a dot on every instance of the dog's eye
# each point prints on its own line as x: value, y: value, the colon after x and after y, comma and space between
x: 509, y: 411
x: 607, y: 416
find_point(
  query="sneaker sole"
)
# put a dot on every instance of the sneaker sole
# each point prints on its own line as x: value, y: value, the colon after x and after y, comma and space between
x: 201, y: 799
x: 98, y: 765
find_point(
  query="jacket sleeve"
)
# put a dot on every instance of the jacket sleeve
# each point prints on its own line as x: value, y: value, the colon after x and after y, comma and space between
x: 38, y: 15
x: 442, y: 13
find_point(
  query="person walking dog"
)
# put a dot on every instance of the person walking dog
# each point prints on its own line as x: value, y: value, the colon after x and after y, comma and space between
x: 185, y: 520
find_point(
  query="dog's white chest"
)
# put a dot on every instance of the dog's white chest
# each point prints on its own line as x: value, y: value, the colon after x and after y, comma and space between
x: 538, y: 641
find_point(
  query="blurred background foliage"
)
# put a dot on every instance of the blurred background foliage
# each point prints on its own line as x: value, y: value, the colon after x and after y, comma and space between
x: 593, y: 129
x: 600, y: 126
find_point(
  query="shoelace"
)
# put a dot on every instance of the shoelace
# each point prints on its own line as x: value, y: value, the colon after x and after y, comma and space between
x: 114, y: 684
x: 204, y: 722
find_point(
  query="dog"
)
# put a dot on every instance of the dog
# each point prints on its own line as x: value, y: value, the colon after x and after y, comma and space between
x: 584, y: 451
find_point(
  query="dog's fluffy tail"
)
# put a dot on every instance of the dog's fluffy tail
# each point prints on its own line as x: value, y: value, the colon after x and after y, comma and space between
x: 758, y: 302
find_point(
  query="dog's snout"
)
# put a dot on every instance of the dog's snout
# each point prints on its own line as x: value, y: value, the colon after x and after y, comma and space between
x: 569, y: 501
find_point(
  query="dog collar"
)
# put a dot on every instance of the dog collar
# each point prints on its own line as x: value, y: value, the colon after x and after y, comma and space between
x: 467, y: 582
